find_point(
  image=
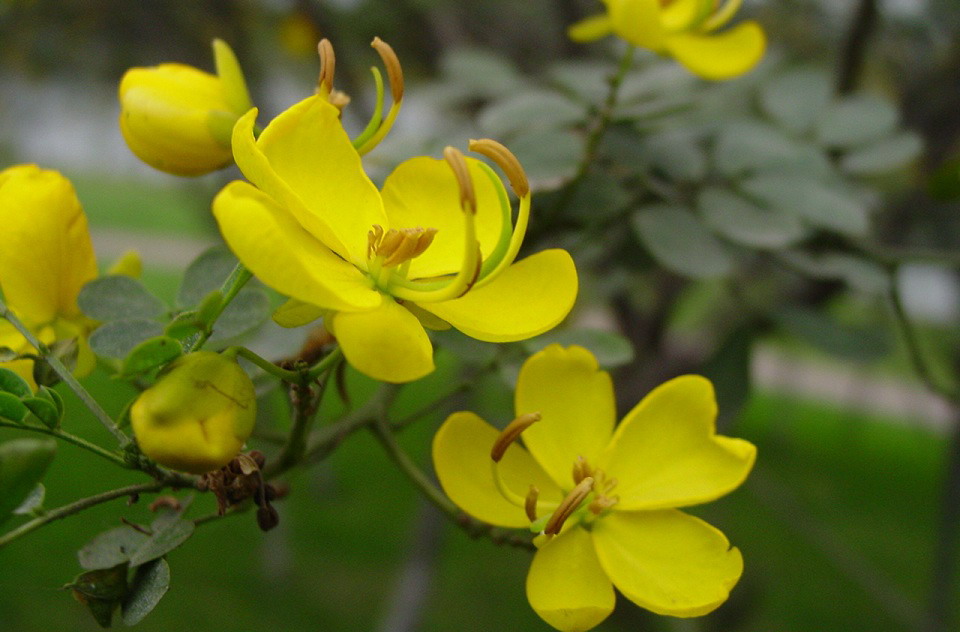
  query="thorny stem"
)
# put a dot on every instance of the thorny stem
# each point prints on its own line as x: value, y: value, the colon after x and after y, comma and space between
x: 234, y: 283
x: 78, y: 506
x: 66, y: 376
x: 70, y: 438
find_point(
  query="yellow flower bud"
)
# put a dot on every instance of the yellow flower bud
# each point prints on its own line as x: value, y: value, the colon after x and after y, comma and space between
x: 197, y: 417
x: 178, y: 119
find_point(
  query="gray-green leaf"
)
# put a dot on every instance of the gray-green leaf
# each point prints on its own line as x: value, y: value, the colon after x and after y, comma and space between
x: 820, y: 205
x: 795, y: 98
x: 886, y: 154
x: 117, y: 297
x: 856, y: 120
x: 110, y: 548
x: 150, y: 584
x: 23, y: 462
x: 118, y: 338
x: 676, y: 239
x: 167, y: 537
x: 746, y: 223
x: 529, y: 111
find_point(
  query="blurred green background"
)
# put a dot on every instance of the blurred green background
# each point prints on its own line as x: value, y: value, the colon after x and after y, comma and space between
x: 841, y: 524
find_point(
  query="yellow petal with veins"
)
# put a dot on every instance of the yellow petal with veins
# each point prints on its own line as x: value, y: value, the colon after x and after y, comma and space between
x: 666, y: 452
x: 530, y: 297
x: 667, y: 561
x: 566, y: 585
x: 461, y: 458
x: 47, y: 255
x: 270, y: 242
x: 388, y: 343
x: 296, y: 313
x: 720, y: 55
x: 423, y: 192
x: 575, y: 399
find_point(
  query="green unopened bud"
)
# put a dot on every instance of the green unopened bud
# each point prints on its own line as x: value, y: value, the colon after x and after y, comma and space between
x: 197, y: 417
x: 178, y: 119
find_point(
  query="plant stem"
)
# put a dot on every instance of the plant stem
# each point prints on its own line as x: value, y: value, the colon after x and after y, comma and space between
x: 326, y: 364
x: 66, y: 376
x: 78, y: 506
x: 383, y: 431
x: 287, y: 376
x: 234, y: 283
x: 70, y: 438
x: 854, y: 48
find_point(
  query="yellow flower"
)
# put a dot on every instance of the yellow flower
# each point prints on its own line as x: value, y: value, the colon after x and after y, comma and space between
x: 177, y: 118
x: 197, y: 417
x: 46, y: 258
x: 434, y: 248
x: 684, y: 30
x: 603, y: 499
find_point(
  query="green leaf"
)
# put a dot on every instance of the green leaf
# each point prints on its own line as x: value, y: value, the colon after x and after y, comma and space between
x: 861, y: 274
x: 11, y: 407
x: 655, y: 81
x: 118, y: 297
x: 11, y: 382
x: 184, y: 325
x: 101, y: 591
x: 249, y: 309
x: 53, y: 397
x: 598, y: 197
x: 743, y: 222
x: 205, y: 274
x: 611, y: 348
x: 750, y: 147
x: 863, y: 344
x: 44, y: 410
x: 479, y: 73
x: 676, y: 239
x: 150, y: 584
x: 549, y: 158
x: 110, y: 548
x: 585, y: 80
x: 168, y: 536
x: 815, y: 202
x: 533, y: 110
x: 677, y: 154
x: 32, y: 505
x: 118, y: 338
x: 150, y: 354
x: 795, y: 98
x: 886, y: 154
x: 856, y: 120
x: 23, y: 462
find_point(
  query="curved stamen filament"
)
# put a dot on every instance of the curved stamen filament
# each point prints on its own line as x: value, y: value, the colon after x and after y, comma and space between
x: 569, y: 505
x: 395, y: 74
x: 470, y: 265
x: 377, y: 117
x: 721, y: 16
x: 511, y: 433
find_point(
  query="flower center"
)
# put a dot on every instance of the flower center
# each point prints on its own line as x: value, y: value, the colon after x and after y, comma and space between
x: 590, y: 498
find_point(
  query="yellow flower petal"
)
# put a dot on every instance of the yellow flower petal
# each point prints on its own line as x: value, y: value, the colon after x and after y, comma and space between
x: 269, y: 241
x: 720, y: 55
x: 665, y: 453
x: 461, y: 458
x: 566, y: 584
x: 23, y: 368
x: 591, y: 28
x: 682, y: 15
x: 388, y: 343
x: 307, y: 148
x: 47, y: 255
x: 638, y: 22
x: 165, y: 115
x: 575, y: 399
x: 530, y: 297
x: 667, y: 561
x: 423, y: 192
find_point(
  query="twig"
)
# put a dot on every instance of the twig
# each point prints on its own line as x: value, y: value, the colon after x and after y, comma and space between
x: 70, y: 438
x: 855, y: 46
x: 234, y: 283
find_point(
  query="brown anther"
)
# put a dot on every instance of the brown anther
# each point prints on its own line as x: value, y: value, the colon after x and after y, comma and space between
x: 339, y: 99
x: 609, y: 485
x: 457, y: 162
x: 424, y: 241
x: 373, y: 239
x: 581, y: 470
x: 511, y: 433
x: 602, y: 503
x: 267, y: 518
x: 328, y: 66
x: 568, y: 506
x: 392, y: 63
x: 390, y: 242
x: 530, y: 504
x: 504, y: 159
x: 405, y: 249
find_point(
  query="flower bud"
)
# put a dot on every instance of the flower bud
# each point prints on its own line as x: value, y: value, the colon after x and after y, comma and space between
x: 198, y: 415
x: 178, y: 119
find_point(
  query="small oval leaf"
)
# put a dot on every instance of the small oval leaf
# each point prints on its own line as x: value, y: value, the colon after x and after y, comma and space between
x: 11, y: 407
x: 150, y: 354
x: 167, y: 537
x: 44, y: 410
x: 110, y: 548
x: 23, y: 463
x: 677, y: 240
x: 150, y: 584
x: 11, y: 382
x: 117, y: 339
x: 116, y: 297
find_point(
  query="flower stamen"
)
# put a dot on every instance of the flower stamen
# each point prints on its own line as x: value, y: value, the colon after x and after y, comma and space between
x: 377, y: 129
x: 569, y: 505
x: 328, y: 66
x: 530, y: 506
x: 511, y: 433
